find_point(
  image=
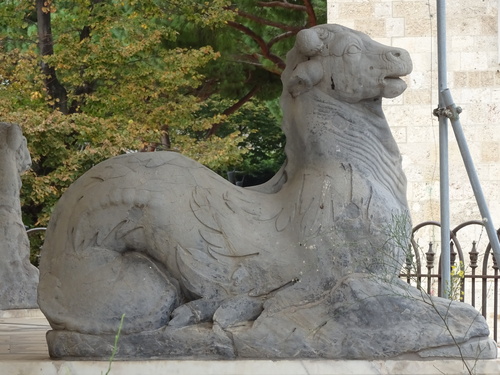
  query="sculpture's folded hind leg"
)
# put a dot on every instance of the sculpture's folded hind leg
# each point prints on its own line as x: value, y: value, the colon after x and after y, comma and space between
x: 100, y: 286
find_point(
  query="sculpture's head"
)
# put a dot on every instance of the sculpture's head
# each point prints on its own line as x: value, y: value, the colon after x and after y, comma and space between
x: 14, y: 141
x: 345, y: 64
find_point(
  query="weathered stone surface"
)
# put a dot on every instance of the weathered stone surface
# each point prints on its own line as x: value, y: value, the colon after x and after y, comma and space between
x: 305, y: 265
x: 18, y: 278
x: 199, y: 341
x: 363, y: 317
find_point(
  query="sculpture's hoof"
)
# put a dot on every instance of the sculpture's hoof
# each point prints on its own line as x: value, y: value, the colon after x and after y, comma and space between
x: 224, y: 313
x: 197, y: 311
x: 183, y: 316
x: 238, y: 309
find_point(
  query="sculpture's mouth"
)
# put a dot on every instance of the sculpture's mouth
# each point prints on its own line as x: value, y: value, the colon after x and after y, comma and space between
x: 396, y: 77
x: 399, y: 70
x: 391, y: 80
x: 393, y: 86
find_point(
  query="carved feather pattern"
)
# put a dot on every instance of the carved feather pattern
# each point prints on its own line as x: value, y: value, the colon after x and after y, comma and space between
x: 218, y: 261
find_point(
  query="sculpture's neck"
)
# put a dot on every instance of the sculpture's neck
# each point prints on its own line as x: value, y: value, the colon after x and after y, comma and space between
x: 324, y: 133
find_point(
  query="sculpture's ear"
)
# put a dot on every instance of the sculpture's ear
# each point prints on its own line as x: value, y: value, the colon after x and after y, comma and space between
x: 304, y: 77
x: 308, y: 42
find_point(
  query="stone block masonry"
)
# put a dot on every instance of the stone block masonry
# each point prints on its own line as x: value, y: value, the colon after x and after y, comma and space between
x: 474, y: 81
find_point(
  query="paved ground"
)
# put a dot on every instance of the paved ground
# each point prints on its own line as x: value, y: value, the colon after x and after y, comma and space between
x: 22, y: 335
x: 23, y: 350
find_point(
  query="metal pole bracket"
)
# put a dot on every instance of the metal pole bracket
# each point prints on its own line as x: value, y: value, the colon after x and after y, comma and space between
x: 452, y: 112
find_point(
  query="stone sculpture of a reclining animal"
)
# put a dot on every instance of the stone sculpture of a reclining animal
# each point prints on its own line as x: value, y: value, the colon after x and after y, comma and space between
x: 302, y: 266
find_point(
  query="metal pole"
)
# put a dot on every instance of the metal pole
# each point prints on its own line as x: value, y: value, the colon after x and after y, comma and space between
x: 452, y: 111
x: 444, y: 185
x: 448, y: 110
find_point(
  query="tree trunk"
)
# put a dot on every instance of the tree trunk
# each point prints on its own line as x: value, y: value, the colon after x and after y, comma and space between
x: 56, y: 91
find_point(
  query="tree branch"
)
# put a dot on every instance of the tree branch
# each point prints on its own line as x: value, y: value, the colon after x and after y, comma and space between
x: 282, y: 4
x: 238, y: 26
x: 252, y: 59
x: 263, y: 21
x: 262, y: 44
x: 265, y: 47
x: 311, y: 15
x: 233, y: 109
x: 277, y: 38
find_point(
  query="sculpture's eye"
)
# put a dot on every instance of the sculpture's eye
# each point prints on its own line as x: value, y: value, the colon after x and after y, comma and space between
x: 353, y: 49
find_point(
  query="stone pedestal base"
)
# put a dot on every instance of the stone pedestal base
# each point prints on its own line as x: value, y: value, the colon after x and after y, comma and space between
x: 249, y: 367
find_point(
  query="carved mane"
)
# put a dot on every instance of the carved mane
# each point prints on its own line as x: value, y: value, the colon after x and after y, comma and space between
x: 351, y: 134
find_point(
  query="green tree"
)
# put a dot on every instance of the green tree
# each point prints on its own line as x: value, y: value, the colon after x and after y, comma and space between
x: 263, y: 139
x: 253, y: 46
x: 89, y: 79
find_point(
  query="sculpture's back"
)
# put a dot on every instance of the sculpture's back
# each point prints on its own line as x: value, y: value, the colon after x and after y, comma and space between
x: 303, y: 266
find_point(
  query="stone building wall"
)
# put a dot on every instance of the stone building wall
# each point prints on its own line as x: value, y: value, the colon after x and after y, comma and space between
x: 474, y: 81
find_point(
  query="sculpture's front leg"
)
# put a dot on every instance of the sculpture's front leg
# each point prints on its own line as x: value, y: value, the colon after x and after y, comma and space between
x: 225, y: 313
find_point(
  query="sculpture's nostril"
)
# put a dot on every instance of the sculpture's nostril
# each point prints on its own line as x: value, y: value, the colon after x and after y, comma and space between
x: 394, y: 54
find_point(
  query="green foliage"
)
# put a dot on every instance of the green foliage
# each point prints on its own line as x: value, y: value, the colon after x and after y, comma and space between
x: 253, y: 48
x: 36, y: 237
x: 122, y: 88
x: 457, y: 276
x: 115, y: 345
x: 254, y: 45
x: 262, y: 140
x: 90, y: 79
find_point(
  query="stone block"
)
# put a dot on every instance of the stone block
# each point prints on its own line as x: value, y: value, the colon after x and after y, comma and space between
x: 464, y: 26
x: 473, y: 96
x: 453, y: 62
x: 332, y: 12
x: 482, y: 78
x: 462, y: 43
x: 418, y: 27
x: 382, y: 9
x: 418, y: 97
x: 416, y: 44
x: 363, y: 10
x: 484, y: 43
x: 489, y: 25
x: 395, y: 27
x: 411, y: 9
x: 490, y: 152
x: 375, y: 28
x: 459, y: 79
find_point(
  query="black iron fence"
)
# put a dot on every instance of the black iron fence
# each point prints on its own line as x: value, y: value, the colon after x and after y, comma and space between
x: 474, y: 271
